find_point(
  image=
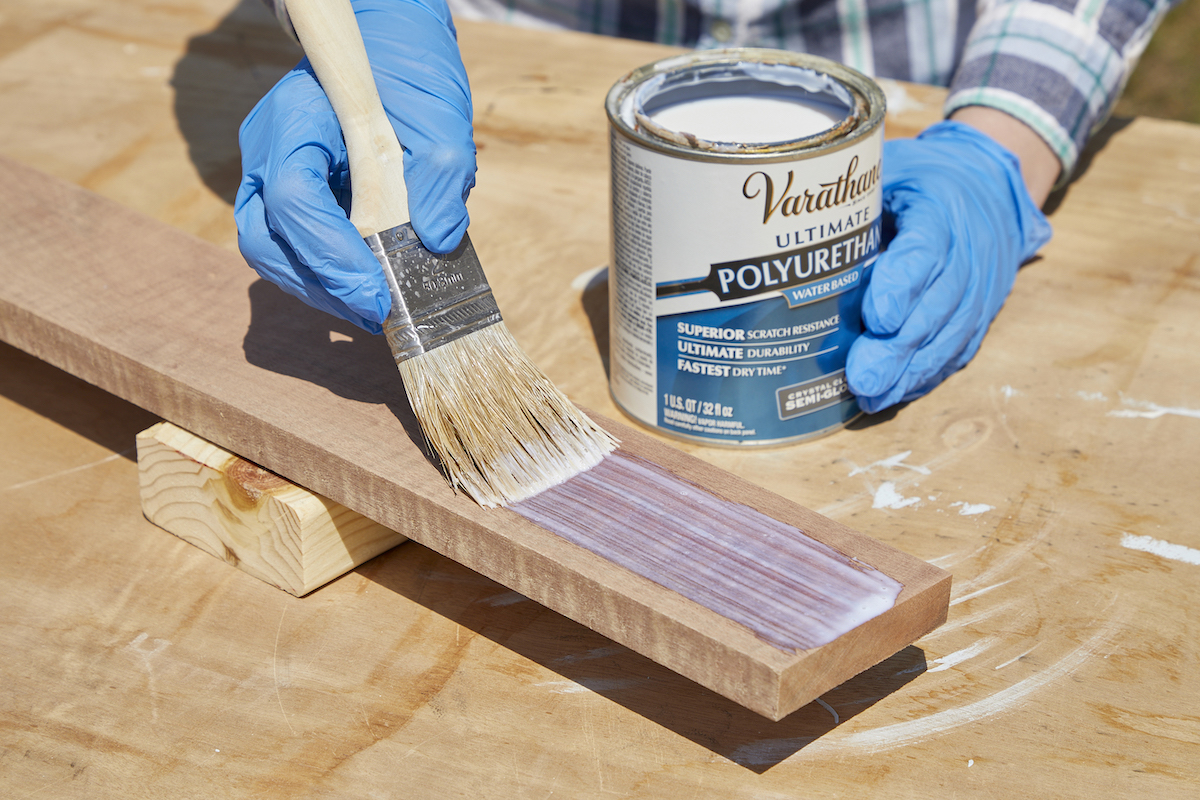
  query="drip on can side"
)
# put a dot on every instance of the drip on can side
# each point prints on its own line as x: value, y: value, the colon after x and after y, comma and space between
x: 745, y: 221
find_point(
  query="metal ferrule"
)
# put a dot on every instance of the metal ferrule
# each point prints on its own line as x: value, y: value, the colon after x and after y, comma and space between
x: 436, y: 299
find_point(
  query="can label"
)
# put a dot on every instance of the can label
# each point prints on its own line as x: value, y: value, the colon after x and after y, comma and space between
x: 736, y: 288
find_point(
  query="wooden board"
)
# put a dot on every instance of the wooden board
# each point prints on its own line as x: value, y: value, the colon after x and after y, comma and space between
x: 183, y: 329
x: 1064, y: 667
x: 253, y: 519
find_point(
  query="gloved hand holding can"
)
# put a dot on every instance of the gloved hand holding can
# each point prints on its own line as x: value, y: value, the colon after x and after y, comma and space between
x: 964, y: 223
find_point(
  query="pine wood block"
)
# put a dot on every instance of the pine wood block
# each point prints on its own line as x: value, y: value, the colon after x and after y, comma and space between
x: 253, y: 519
x: 185, y: 330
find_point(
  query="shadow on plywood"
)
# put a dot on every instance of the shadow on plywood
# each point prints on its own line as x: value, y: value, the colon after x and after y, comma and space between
x: 588, y: 661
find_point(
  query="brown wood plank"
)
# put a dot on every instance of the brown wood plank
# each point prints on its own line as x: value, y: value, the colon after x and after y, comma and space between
x: 186, y: 331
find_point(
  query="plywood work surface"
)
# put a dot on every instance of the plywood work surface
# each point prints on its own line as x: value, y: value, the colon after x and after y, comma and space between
x: 1054, y: 478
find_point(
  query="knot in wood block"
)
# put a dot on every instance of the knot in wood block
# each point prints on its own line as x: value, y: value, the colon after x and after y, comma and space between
x: 250, y: 482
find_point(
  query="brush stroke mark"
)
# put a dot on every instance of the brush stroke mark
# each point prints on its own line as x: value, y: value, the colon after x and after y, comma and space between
x: 1144, y: 410
x: 1013, y: 560
x: 590, y: 685
x: 978, y: 592
x: 504, y: 599
x: 950, y: 559
x: 959, y: 656
x: 836, y: 719
x: 147, y: 656
x: 1001, y: 415
x: 1015, y: 659
x: 1009, y: 609
x: 71, y: 471
x: 901, y: 734
x: 789, y: 589
x: 594, y: 653
x: 275, y: 671
x: 1160, y: 548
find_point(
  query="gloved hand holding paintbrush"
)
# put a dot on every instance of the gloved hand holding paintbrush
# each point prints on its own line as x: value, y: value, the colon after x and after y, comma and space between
x: 502, y: 430
x: 295, y: 167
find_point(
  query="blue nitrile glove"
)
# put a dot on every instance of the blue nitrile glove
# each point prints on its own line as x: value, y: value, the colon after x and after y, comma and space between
x: 964, y: 222
x: 291, y: 228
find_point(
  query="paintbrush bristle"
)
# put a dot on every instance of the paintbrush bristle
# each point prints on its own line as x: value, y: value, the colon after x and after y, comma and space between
x: 503, y: 431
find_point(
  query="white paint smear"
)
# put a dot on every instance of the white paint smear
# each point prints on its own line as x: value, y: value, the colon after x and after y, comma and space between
x: 1008, y: 392
x: 886, y: 496
x: 594, y: 653
x: 978, y: 592
x: 971, y: 509
x: 70, y: 471
x: 1163, y: 549
x: 899, y: 734
x: 504, y: 599
x: 1015, y: 659
x: 836, y: 719
x: 1143, y: 410
x: 1004, y: 609
x: 895, y: 462
x: 957, y: 657
x: 1092, y: 397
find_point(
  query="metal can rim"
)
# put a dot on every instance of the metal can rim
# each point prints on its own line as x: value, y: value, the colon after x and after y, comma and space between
x: 861, y: 86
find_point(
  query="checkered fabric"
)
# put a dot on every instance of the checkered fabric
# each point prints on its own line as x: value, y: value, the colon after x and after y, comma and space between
x: 1057, y: 65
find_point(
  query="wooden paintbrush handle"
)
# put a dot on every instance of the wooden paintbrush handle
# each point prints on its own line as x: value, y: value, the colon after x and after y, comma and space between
x: 329, y: 33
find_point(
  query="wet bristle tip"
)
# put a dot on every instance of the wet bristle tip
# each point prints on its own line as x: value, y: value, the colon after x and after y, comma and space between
x: 503, y: 431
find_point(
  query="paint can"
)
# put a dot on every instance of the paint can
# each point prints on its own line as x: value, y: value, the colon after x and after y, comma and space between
x: 745, y: 220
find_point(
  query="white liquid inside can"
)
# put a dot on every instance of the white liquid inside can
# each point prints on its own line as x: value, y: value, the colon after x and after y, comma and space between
x: 748, y: 119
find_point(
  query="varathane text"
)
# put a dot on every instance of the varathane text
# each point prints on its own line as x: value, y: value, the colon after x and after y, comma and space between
x: 847, y: 188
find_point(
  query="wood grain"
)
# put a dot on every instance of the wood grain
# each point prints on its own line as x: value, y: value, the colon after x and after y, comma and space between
x: 1065, y: 667
x: 186, y: 355
x: 251, y: 518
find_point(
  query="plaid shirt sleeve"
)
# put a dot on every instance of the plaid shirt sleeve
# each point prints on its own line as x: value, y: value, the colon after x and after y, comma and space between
x: 1056, y: 65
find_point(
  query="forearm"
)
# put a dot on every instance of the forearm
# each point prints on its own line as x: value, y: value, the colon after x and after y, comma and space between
x: 1040, y: 167
x: 1058, y: 67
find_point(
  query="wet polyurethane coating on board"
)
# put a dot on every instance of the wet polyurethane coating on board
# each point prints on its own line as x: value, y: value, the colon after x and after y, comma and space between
x: 792, y: 591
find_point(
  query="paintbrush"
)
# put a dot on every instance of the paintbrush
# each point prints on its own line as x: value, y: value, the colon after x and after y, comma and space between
x: 502, y: 430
